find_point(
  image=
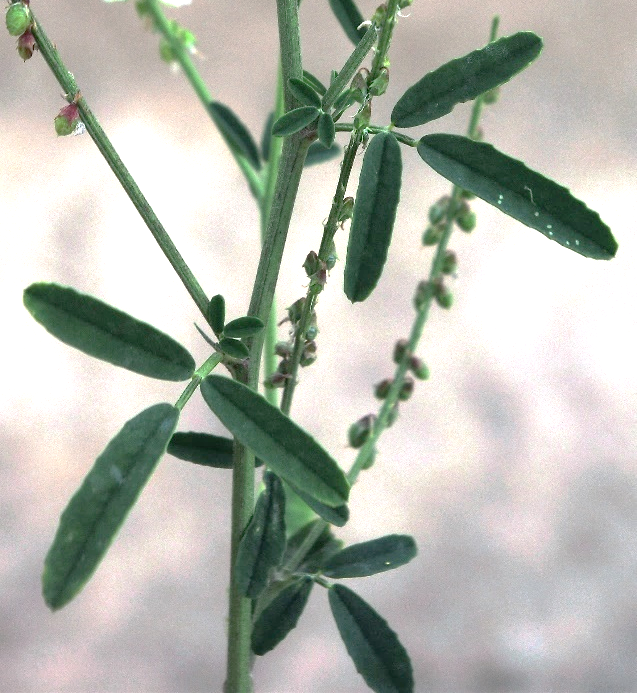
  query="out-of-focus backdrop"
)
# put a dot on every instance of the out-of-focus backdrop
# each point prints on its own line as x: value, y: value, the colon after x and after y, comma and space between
x: 513, y: 466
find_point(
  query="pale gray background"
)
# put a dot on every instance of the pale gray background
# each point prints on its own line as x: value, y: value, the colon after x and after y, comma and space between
x: 514, y: 466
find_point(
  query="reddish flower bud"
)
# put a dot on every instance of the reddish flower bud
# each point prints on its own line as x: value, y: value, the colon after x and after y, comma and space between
x: 67, y: 120
x: 26, y: 45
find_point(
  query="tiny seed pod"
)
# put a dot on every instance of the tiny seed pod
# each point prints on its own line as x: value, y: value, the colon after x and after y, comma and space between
x: 432, y: 235
x: 26, y: 45
x: 467, y: 221
x: 18, y: 18
x: 438, y: 210
x: 450, y: 263
x: 419, y: 368
x: 359, y: 431
x: 381, y: 389
x: 406, y: 390
x: 444, y: 297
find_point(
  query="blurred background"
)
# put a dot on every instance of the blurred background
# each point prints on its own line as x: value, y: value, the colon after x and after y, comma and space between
x: 514, y: 466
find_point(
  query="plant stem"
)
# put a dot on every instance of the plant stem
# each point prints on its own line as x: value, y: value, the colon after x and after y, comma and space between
x: 205, y: 369
x: 294, y: 150
x: 182, y: 56
x: 68, y: 83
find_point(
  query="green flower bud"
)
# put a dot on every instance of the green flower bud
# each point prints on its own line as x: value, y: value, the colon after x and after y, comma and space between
x: 295, y: 310
x: 419, y: 368
x: 466, y: 221
x: 379, y: 85
x: 309, y: 354
x: 363, y: 117
x: 422, y: 295
x: 381, y: 389
x: 331, y: 261
x: 283, y: 349
x: 26, y: 45
x: 312, y: 263
x: 444, y: 297
x: 406, y: 389
x: 307, y: 360
x: 432, y: 235
x: 18, y: 18
x: 276, y: 380
x: 400, y: 349
x: 359, y: 431
x: 67, y: 120
x: 450, y: 263
x: 311, y: 332
x: 379, y: 16
x: 438, y: 210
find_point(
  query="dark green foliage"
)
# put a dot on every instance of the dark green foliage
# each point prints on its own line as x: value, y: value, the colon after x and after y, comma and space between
x: 324, y: 547
x: 371, y: 557
x: 266, y: 137
x: 217, y: 313
x: 234, y: 348
x: 280, y: 616
x: 246, y: 326
x: 318, y: 154
x: 100, y: 506
x: 100, y: 330
x: 349, y: 18
x: 336, y: 516
x: 236, y: 132
x: 316, y: 83
x: 263, y: 542
x: 373, y: 646
x: 202, y: 448
x: 519, y: 192
x: 295, y: 120
x: 283, y: 445
x: 304, y: 93
x: 464, y: 79
x: 325, y: 130
x: 374, y: 214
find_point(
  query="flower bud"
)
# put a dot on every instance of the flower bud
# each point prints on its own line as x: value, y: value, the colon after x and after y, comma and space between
x: 404, y: 3
x: 26, y: 45
x: 400, y: 349
x: 419, y: 368
x: 295, y: 310
x: 363, y: 117
x: 331, y: 261
x: 311, y: 332
x: 358, y: 87
x: 311, y: 264
x: 67, y: 120
x: 359, y: 431
x: 422, y: 295
x: 309, y: 354
x: 18, y: 18
x: 283, y: 349
x: 450, y: 263
x: 406, y: 389
x: 438, y: 210
x: 432, y: 235
x: 444, y: 297
x: 379, y: 16
x: 466, y: 221
x: 379, y: 85
x: 276, y: 380
x: 381, y: 389
x: 346, y: 210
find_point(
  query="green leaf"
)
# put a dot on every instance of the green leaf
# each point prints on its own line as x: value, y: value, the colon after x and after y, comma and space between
x: 263, y: 542
x: 373, y: 646
x: 100, y: 506
x: 283, y: 445
x: 217, y: 313
x: 295, y: 120
x: 280, y: 616
x: 374, y: 214
x: 324, y: 547
x: 519, y: 192
x: 464, y: 79
x: 234, y: 348
x: 371, y: 557
x: 266, y: 137
x: 318, y: 154
x: 314, y: 82
x: 326, y: 130
x: 336, y: 516
x: 349, y: 18
x: 304, y: 92
x: 202, y: 448
x: 246, y: 326
x: 238, y: 134
x: 100, y: 330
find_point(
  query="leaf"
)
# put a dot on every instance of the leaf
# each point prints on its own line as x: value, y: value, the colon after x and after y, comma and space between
x: 304, y: 93
x: 317, y: 154
x: 283, y: 445
x: 336, y: 516
x: 314, y: 82
x: 280, y: 616
x: 374, y: 214
x: 234, y: 348
x: 371, y: 557
x: 236, y: 132
x: 324, y: 547
x: 464, y: 79
x: 263, y: 542
x: 100, y: 330
x: 349, y: 17
x: 217, y: 313
x: 266, y: 137
x: 373, y: 646
x: 519, y: 192
x: 295, y: 120
x: 246, y: 326
x: 100, y: 506
x: 202, y: 448
x: 326, y: 130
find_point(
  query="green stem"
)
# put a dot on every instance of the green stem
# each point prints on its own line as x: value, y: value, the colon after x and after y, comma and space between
x: 182, y: 55
x: 294, y: 150
x: 70, y: 87
x: 205, y: 369
x: 375, y: 129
